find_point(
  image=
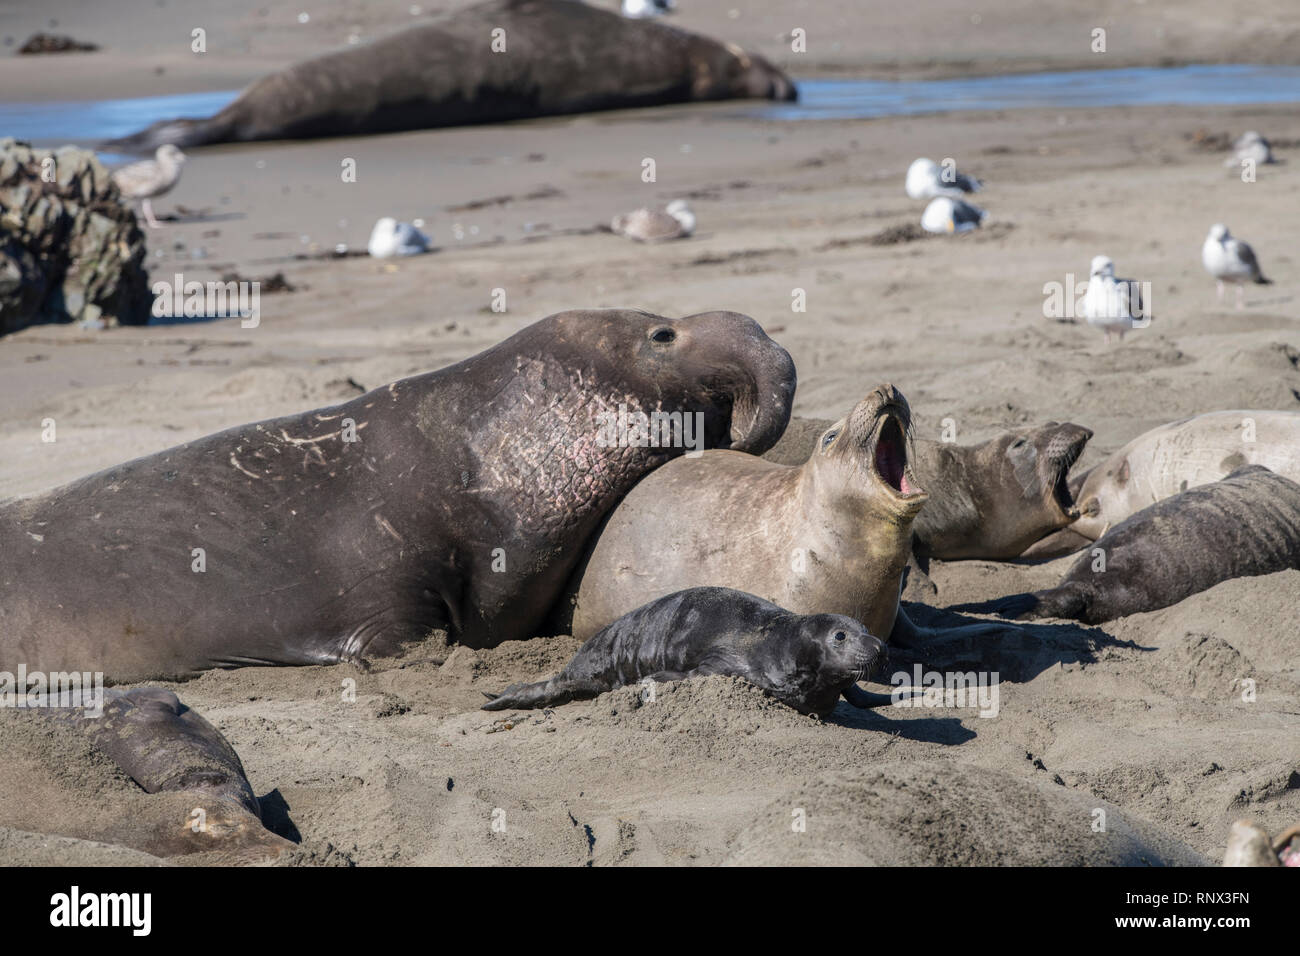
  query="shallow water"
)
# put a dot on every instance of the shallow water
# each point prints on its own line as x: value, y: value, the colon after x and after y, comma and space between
x: 92, y: 121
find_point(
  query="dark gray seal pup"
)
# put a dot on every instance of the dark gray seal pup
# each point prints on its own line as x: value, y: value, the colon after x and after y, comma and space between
x: 492, y: 62
x: 803, y: 660
x: 457, y: 499
x: 1244, y: 525
x: 204, y: 802
x: 989, y: 501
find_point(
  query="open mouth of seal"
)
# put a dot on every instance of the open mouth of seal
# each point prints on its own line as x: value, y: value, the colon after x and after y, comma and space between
x: 890, y: 455
x: 1063, y: 462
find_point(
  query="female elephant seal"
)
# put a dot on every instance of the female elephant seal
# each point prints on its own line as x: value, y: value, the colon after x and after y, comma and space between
x: 460, y: 498
x: 991, y: 500
x: 1245, y: 525
x: 804, y: 661
x: 492, y: 62
x: 830, y: 536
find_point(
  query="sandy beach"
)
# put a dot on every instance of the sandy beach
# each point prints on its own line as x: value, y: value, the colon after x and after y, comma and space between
x: 1144, y: 716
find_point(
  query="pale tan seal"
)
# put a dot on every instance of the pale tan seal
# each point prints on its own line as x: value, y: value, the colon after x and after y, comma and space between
x: 830, y: 536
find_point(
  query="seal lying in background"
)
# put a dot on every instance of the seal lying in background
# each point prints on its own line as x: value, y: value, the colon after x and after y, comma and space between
x: 1170, y: 459
x: 457, y: 499
x: 990, y: 500
x: 171, y: 752
x: 559, y: 57
x: 804, y: 661
x: 1245, y: 525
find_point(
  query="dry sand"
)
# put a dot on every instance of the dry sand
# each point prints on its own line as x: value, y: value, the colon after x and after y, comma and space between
x: 1143, y: 718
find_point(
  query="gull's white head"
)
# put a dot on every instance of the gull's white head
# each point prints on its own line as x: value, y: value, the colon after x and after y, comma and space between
x: 1102, y: 266
x: 169, y: 154
x: 680, y: 211
x: 1219, y: 232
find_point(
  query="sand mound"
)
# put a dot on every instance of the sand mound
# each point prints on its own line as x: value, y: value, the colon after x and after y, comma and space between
x: 930, y: 814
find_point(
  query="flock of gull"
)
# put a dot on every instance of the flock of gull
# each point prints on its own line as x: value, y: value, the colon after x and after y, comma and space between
x: 1113, y: 304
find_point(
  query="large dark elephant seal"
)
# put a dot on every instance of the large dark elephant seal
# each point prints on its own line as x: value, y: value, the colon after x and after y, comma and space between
x: 991, y: 500
x: 831, y: 536
x: 804, y: 661
x: 559, y: 57
x: 464, y: 502
x: 201, y: 798
x: 1245, y: 525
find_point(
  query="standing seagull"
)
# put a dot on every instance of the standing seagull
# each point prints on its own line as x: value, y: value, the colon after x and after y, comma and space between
x: 640, y: 9
x: 649, y: 225
x: 927, y: 179
x: 1230, y: 260
x: 150, y: 177
x: 951, y: 215
x: 1113, y: 305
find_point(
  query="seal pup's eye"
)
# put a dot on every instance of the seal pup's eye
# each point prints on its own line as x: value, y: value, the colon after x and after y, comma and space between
x: 829, y: 437
x: 840, y: 636
x: 1018, y: 443
x: 662, y: 336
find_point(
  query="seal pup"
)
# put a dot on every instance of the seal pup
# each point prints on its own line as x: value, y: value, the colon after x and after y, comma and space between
x: 488, y: 63
x: 1184, y: 454
x: 1244, y: 525
x: 150, y: 178
x: 1230, y: 259
x: 806, y: 661
x: 1110, y: 304
x: 204, y: 803
x: 926, y: 179
x: 988, y: 501
x: 830, y: 536
x: 391, y: 238
x: 951, y: 215
x: 457, y: 499
x: 649, y: 225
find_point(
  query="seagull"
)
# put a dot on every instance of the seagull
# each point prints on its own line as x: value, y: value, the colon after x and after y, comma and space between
x: 1111, y: 304
x: 927, y: 179
x: 150, y: 177
x: 1250, y: 145
x: 649, y: 225
x: 640, y: 9
x: 1230, y: 260
x: 391, y: 238
x: 951, y: 215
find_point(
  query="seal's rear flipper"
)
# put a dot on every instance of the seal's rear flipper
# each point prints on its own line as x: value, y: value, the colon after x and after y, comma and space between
x: 184, y: 133
x: 546, y: 693
x: 1015, y: 606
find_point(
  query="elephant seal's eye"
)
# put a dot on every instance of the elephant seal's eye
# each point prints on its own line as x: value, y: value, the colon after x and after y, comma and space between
x: 1018, y: 443
x: 829, y: 437
x: 840, y: 636
x: 662, y: 336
